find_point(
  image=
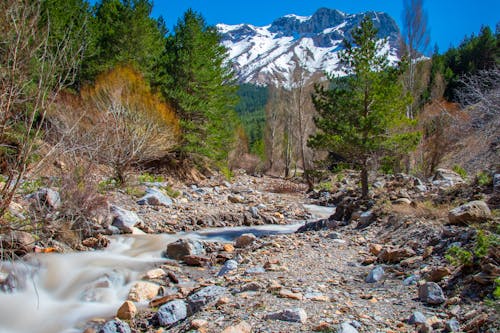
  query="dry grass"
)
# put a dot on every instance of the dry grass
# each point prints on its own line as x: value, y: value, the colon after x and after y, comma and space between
x: 425, y: 209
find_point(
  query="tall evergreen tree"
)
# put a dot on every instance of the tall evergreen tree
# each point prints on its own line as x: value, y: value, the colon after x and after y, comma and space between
x: 125, y: 33
x: 359, y: 114
x: 197, y: 78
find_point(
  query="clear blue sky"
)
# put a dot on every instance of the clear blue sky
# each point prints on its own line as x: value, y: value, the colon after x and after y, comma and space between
x: 449, y: 20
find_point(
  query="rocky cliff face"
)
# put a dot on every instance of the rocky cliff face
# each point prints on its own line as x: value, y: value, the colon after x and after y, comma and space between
x: 269, y: 54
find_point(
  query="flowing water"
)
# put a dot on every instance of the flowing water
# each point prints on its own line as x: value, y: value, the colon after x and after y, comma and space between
x: 60, y: 292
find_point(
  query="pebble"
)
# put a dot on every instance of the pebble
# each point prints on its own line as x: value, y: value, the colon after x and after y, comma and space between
x: 127, y: 311
x: 346, y: 328
x: 417, y: 318
x: 245, y: 240
x: 115, y: 326
x: 242, y: 327
x: 229, y: 266
x: 205, y: 297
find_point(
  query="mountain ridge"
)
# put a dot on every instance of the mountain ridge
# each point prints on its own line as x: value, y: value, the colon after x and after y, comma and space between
x: 269, y: 54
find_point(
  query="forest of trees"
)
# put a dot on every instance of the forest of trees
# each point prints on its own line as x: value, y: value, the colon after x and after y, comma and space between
x: 109, y: 83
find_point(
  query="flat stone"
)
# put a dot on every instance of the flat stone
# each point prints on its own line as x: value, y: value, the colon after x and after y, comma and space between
x: 143, y: 291
x: 156, y: 273
x: 375, y: 275
x: 184, y: 247
x: 127, y: 311
x: 199, y: 323
x: 438, y: 273
x: 172, y: 312
x: 431, y: 293
x: 242, y: 327
x: 251, y: 286
x: 192, y: 260
x: 115, y: 326
x: 395, y: 255
x: 255, y: 270
x: 296, y: 315
x: 471, y: 212
x: 205, y: 297
x: 245, y: 240
x: 289, y: 294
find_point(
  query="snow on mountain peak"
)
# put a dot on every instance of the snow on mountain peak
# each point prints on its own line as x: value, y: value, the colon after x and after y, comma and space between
x: 269, y: 54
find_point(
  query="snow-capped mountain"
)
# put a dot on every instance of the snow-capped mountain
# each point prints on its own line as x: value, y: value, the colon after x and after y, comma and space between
x: 269, y: 54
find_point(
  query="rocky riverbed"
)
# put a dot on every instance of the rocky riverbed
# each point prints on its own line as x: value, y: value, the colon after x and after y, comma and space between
x: 373, y: 266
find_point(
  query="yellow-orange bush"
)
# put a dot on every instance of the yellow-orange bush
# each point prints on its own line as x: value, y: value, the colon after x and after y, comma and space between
x: 120, y: 121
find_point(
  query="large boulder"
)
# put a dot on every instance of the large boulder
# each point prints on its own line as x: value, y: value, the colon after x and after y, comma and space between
x: 124, y: 220
x: 172, y: 312
x: 155, y: 197
x: 184, y: 247
x: 205, y: 297
x: 471, y: 212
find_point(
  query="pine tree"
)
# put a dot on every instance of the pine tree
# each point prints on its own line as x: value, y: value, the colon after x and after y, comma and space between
x: 125, y: 33
x: 196, y: 77
x: 359, y: 114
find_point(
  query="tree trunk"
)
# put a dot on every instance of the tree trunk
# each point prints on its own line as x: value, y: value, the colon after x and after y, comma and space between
x: 364, y: 181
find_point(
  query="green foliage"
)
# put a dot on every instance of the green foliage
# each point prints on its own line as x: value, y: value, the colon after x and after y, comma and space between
x: 124, y: 32
x: 149, y: 178
x: 457, y: 255
x: 106, y: 185
x: 195, y: 76
x: 496, y: 291
x: 32, y: 185
x: 134, y: 191
x: 171, y: 192
x: 473, y: 54
x: 484, y: 178
x: 226, y: 172
x: 363, y: 113
x: 461, y: 171
x: 484, y: 242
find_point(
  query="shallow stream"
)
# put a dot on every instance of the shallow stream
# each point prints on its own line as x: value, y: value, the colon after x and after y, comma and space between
x: 63, y: 291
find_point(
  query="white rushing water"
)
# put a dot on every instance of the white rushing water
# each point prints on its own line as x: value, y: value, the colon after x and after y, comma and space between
x: 61, y: 292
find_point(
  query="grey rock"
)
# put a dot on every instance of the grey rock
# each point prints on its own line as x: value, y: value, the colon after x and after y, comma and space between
x: 375, y: 275
x: 205, y: 297
x: 296, y: 315
x: 184, y: 247
x: 245, y: 240
x: 411, y: 280
x: 496, y: 182
x: 356, y: 324
x: 172, y: 312
x: 230, y: 265
x: 47, y: 197
x: 124, y: 219
x: 452, y: 325
x: 366, y: 217
x: 471, y: 212
x: 254, y: 211
x: 446, y: 178
x: 115, y: 326
x: 155, y: 197
x: 255, y: 270
x: 417, y: 318
x: 334, y: 235
x: 251, y: 286
x: 431, y: 293
x: 379, y: 184
x: 346, y: 328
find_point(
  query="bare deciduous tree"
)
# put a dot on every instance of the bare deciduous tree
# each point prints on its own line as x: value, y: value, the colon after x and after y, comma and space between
x: 414, y: 41
x: 32, y: 72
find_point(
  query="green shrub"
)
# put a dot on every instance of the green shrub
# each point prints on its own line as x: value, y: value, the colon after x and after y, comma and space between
x: 106, y: 185
x: 172, y: 193
x: 461, y: 171
x: 484, y: 178
x: 30, y: 186
x: 496, y: 291
x: 149, y: 178
x: 457, y: 255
